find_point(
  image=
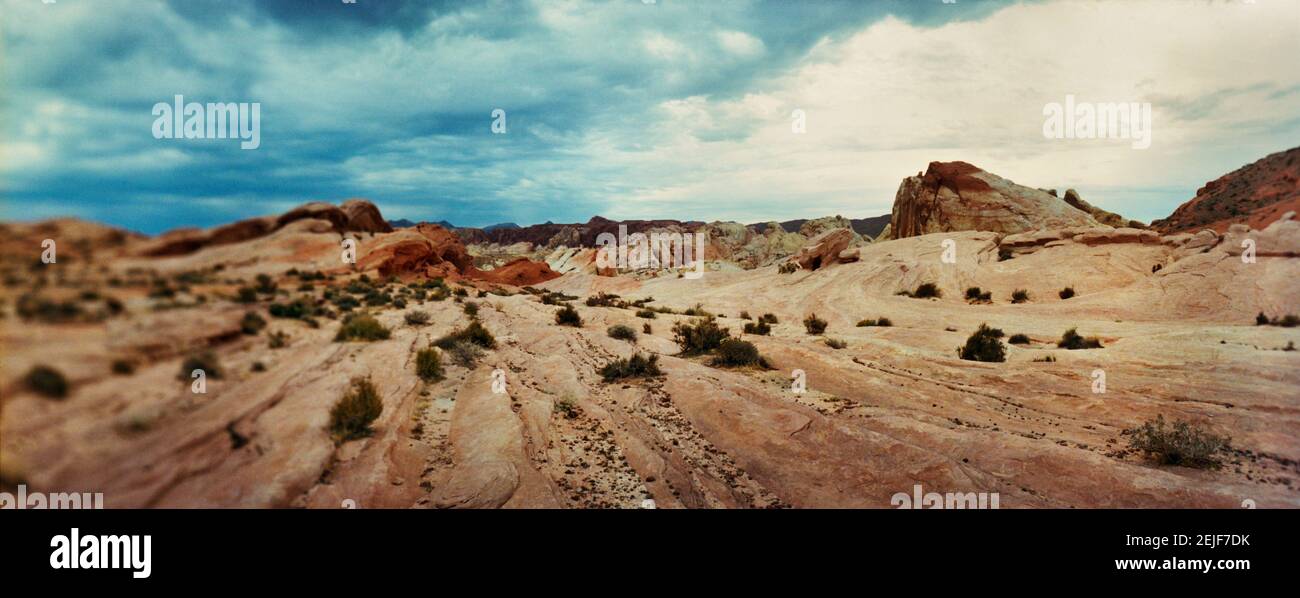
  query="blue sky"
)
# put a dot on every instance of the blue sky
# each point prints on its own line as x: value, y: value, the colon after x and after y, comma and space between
x: 626, y: 109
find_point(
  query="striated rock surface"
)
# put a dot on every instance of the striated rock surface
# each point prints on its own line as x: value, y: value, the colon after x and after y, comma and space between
x: 824, y: 249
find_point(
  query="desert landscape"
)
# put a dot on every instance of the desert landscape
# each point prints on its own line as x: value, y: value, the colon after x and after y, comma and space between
x: 510, y: 368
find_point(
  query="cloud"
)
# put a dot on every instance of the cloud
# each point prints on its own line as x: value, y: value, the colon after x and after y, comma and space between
x: 624, y: 109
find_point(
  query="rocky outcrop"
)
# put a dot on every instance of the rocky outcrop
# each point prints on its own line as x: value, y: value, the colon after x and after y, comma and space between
x: 425, y: 250
x: 356, y: 215
x: 1256, y: 195
x: 1098, y: 214
x: 824, y: 249
x: 956, y: 196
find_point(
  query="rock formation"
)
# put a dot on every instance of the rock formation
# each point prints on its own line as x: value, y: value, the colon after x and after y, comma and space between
x: 956, y: 196
x: 1256, y: 195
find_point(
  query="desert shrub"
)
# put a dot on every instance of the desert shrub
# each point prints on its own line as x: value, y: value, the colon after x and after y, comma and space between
x: 475, y: 334
x: 814, y: 324
x: 123, y: 367
x: 977, y: 295
x: 701, y: 337
x: 202, y: 360
x: 361, y: 327
x: 265, y: 285
x: 733, y: 352
x: 463, y: 353
x: 1046, y: 359
x: 698, y: 311
x: 460, y: 292
x: 984, y: 345
x: 1066, y: 293
x: 471, y: 309
x: 1287, y: 321
x: 277, y: 339
x: 788, y: 267
x: 744, y: 315
x: 646, y: 313
x: 297, y: 310
x: 1183, y: 443
x: 1072, y: 340
x: 884, y: 322
x: 46, y: 381
x: 258, y: 366
x: 428, y: 365
x: 835, y: 343
x: 417, y: 317
x: 351, y: 416
x: 1018, y: 339
x: 604, y: 300
x: 346, y: 303
x: 567, y: 316
x: 1261, y: 319
x: 246, y: 295
x: 878, y: 322
x: 636, y: 366
x: 567, y: 407
x: 760, y: 328
x: 646, y: 329
x: 556, y: 298
x: 252, y: 323
x: 1019, y: 296
x: 925, y: 290
x: 621, y: 332
x: 399, y: 303
x: 768, y: 319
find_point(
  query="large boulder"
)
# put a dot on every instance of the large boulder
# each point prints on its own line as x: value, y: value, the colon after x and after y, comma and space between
x: 363, y: 216
x: 824, y: 249
x: 956, y: 196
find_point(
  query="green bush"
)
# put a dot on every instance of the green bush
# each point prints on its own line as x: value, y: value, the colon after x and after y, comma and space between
x: 646, y: 313
x: 1072, y: 340
x: 702, y: 337
x: 636, y: 366
x: 47, y: 381
x: 417, y: 317
x: 768, y: 319
x: 475, y: 334
x: 252, y: 323
x: 428, y: 365
x: 604, y: 300
x: 1018, y: 339
x: 297, y: 310
x: 471, y: 309
x: 698, y: 311
x: 567, y: 316
x: 351, y: 416
x: 984, y: 345
x: 361, y: 327
x: 733, y: 352
x: 1261, y: 319
x: 1183, y: 443
x: 621, y: 332
x: 814, y: 325
x: 1019, y: 296
x: 646, y: 329
x: 759, y: 328
x: 1066, y: 293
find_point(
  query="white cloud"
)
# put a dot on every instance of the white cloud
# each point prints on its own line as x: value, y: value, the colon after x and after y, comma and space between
x: 883, y: 103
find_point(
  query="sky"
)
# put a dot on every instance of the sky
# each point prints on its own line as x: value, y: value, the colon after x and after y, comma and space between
x: 625, y: 109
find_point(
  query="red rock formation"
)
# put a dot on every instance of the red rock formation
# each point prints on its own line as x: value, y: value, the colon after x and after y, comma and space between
x: 520, y: 272
x: 955, y: 196
x: 1256, y: 194
x: 429, y: 250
